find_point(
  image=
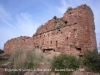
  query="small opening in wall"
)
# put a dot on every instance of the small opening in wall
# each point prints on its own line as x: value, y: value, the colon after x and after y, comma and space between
x: 78, y: 48
x: 51, y: 42
x: 67, y: 38
x: 37, y: 46
x: 75, y: 23
x: 55, y: 21
x: 43, y: 50
x: 66, y: 22
x: 56, y: 44
x: 70, y: 13
x: 46, y: 28
x: 71, y: 46
x: 74, y: 29
x: 59, y: 30
x: 80, y: 56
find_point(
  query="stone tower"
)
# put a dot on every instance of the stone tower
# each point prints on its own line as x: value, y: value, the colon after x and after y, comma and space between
x: 72, y: 34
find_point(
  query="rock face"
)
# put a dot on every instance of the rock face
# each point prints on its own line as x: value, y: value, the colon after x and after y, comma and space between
x: 72, y: 34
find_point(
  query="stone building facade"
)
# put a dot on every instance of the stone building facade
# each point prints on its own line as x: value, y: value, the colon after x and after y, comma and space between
x: 72, y: 34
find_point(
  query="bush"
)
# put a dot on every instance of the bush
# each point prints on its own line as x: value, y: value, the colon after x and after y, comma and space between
x: 60, y: 24
x: 68, y: 10
x: 92, y: 60
x: 55, y: 17
x: 65, y: 62
x: 1, y: 51
x: 18, y: 59
x: 21, y: 59
x: 39, y: 27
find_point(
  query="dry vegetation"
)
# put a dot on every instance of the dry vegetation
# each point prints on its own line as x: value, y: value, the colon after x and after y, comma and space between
x: 21, y: 59
x: 60, y: 24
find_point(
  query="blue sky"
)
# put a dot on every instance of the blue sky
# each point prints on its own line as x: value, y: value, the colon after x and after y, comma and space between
x: 23, y: 17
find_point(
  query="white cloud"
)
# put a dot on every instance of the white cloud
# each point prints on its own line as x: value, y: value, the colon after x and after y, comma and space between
x: 64, y: 6
x: 5, y: 17
x: 25, y: 24
x: 18, y: 25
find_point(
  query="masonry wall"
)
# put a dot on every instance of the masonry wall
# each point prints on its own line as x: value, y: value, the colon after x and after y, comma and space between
x: 74, y: 37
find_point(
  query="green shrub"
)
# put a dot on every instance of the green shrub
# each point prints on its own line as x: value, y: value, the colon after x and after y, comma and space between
x: 92, y: 60
x: 39, y: 27
x: 65, y: 62
x: 1, y: 51
x: 55, y: 17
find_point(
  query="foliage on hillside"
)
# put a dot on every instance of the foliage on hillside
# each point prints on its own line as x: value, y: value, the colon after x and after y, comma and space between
x: 68, y: 10
x: 55, y: 17
x: 65, y: 62
x: 1, y: 51
x: 21, y: 59
x: 92, y: 60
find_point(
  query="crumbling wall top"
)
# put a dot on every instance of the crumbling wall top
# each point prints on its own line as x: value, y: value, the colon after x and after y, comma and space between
x: 52, y: 24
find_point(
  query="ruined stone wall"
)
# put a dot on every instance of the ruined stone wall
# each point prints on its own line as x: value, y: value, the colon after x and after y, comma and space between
x: 72, y: 34
x: 22, y: 42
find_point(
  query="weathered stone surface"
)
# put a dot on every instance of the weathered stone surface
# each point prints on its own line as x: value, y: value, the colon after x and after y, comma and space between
x: 72, y: 34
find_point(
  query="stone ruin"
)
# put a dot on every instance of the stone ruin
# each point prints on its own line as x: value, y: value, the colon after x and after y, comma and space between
x: 73, y: 33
